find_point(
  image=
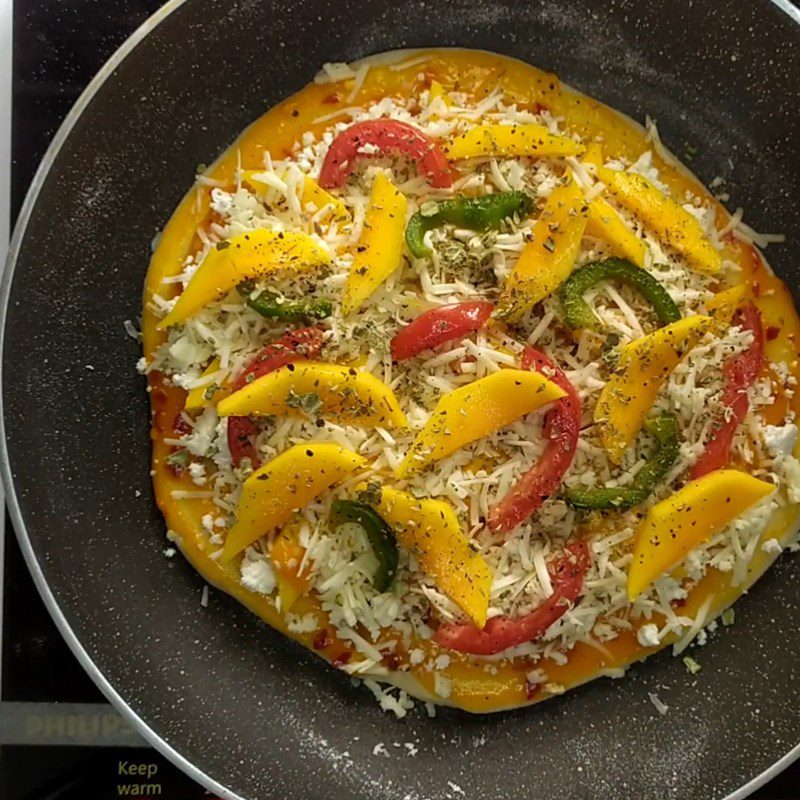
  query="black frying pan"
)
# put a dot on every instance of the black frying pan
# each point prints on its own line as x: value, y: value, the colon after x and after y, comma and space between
x: 230, y: 701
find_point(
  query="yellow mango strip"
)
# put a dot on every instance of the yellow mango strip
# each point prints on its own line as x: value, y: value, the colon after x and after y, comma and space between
x: 547, y: 261
x: 380, y: 249
x: 688, y: 518
x: 593, y: 155
x: 644, y: 365
x: 287, y: 554
x: 476, y: 410
x: 722, y: 306
x: 437, y: 91
x: 605, y: 222
x: 196, y: 400
x: 673, y: 225
x: 168, y: 260
x: 244, y: 257
x: 273, y: 493
x: 312, y: 193
x: 509, y: 140
x: 348, y: 395
x: 431, y: 529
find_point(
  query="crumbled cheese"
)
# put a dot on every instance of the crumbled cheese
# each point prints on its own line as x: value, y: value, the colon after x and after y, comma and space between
x: 442, y: 661
x: 197, y: 472
x: 772, y: 546
x: 442, y: 685
x: 780, y: 440
x: 535, y: 677
x: 614, y: 672
x: 647, y: 635
x: 257, y: 575
x: 660, y: 706
x: 334, y: 72
x: 399, y: 705
x: 130, y: 329
x: 791, y: 471
x: 305, y: 624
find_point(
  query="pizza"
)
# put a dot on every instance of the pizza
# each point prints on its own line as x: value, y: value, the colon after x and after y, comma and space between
x: 460, y: 379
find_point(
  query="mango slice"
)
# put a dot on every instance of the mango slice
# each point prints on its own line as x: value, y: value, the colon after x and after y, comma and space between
x: 431, y: 529
x: 380, y: 249
x: 593, y: 155
x: 643, y: 367
x: 273, y: 493
x: 509, y: 140
x: 688, y: 518
x: 312, y: 193
x: 437, y: 91
x: 548, y: 260
x: 242, y: 258
x: 196, y: 399
x: 476, y: 410
x: 348, y: 395
x: 287, y: 554
x: 674, y: 226
x: 606, y: 224
x: 722, y: 306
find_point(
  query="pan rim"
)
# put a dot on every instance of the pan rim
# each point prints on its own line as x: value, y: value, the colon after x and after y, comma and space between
x: 26, y: 546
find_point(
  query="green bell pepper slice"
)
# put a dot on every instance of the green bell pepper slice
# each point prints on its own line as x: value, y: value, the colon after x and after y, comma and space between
x: 271, y: 306
x: 579, y: 314
x: 475, y: 213
x: 664, y: 429
x: 379, y: 534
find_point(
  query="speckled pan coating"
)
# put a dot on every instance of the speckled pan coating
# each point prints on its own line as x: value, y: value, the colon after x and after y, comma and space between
x: 249, y: 709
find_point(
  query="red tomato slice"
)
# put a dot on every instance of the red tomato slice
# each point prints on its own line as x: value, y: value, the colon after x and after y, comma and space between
x: 386, y: 136
x: 500, y: 633
x: 439, y: 325
x: 561, y: 429
x: 739, y: 374
x: 293, y: 346
x: 241, y: 432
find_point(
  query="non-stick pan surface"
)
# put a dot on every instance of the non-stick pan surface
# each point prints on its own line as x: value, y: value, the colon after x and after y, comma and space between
x: 233, y: 703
